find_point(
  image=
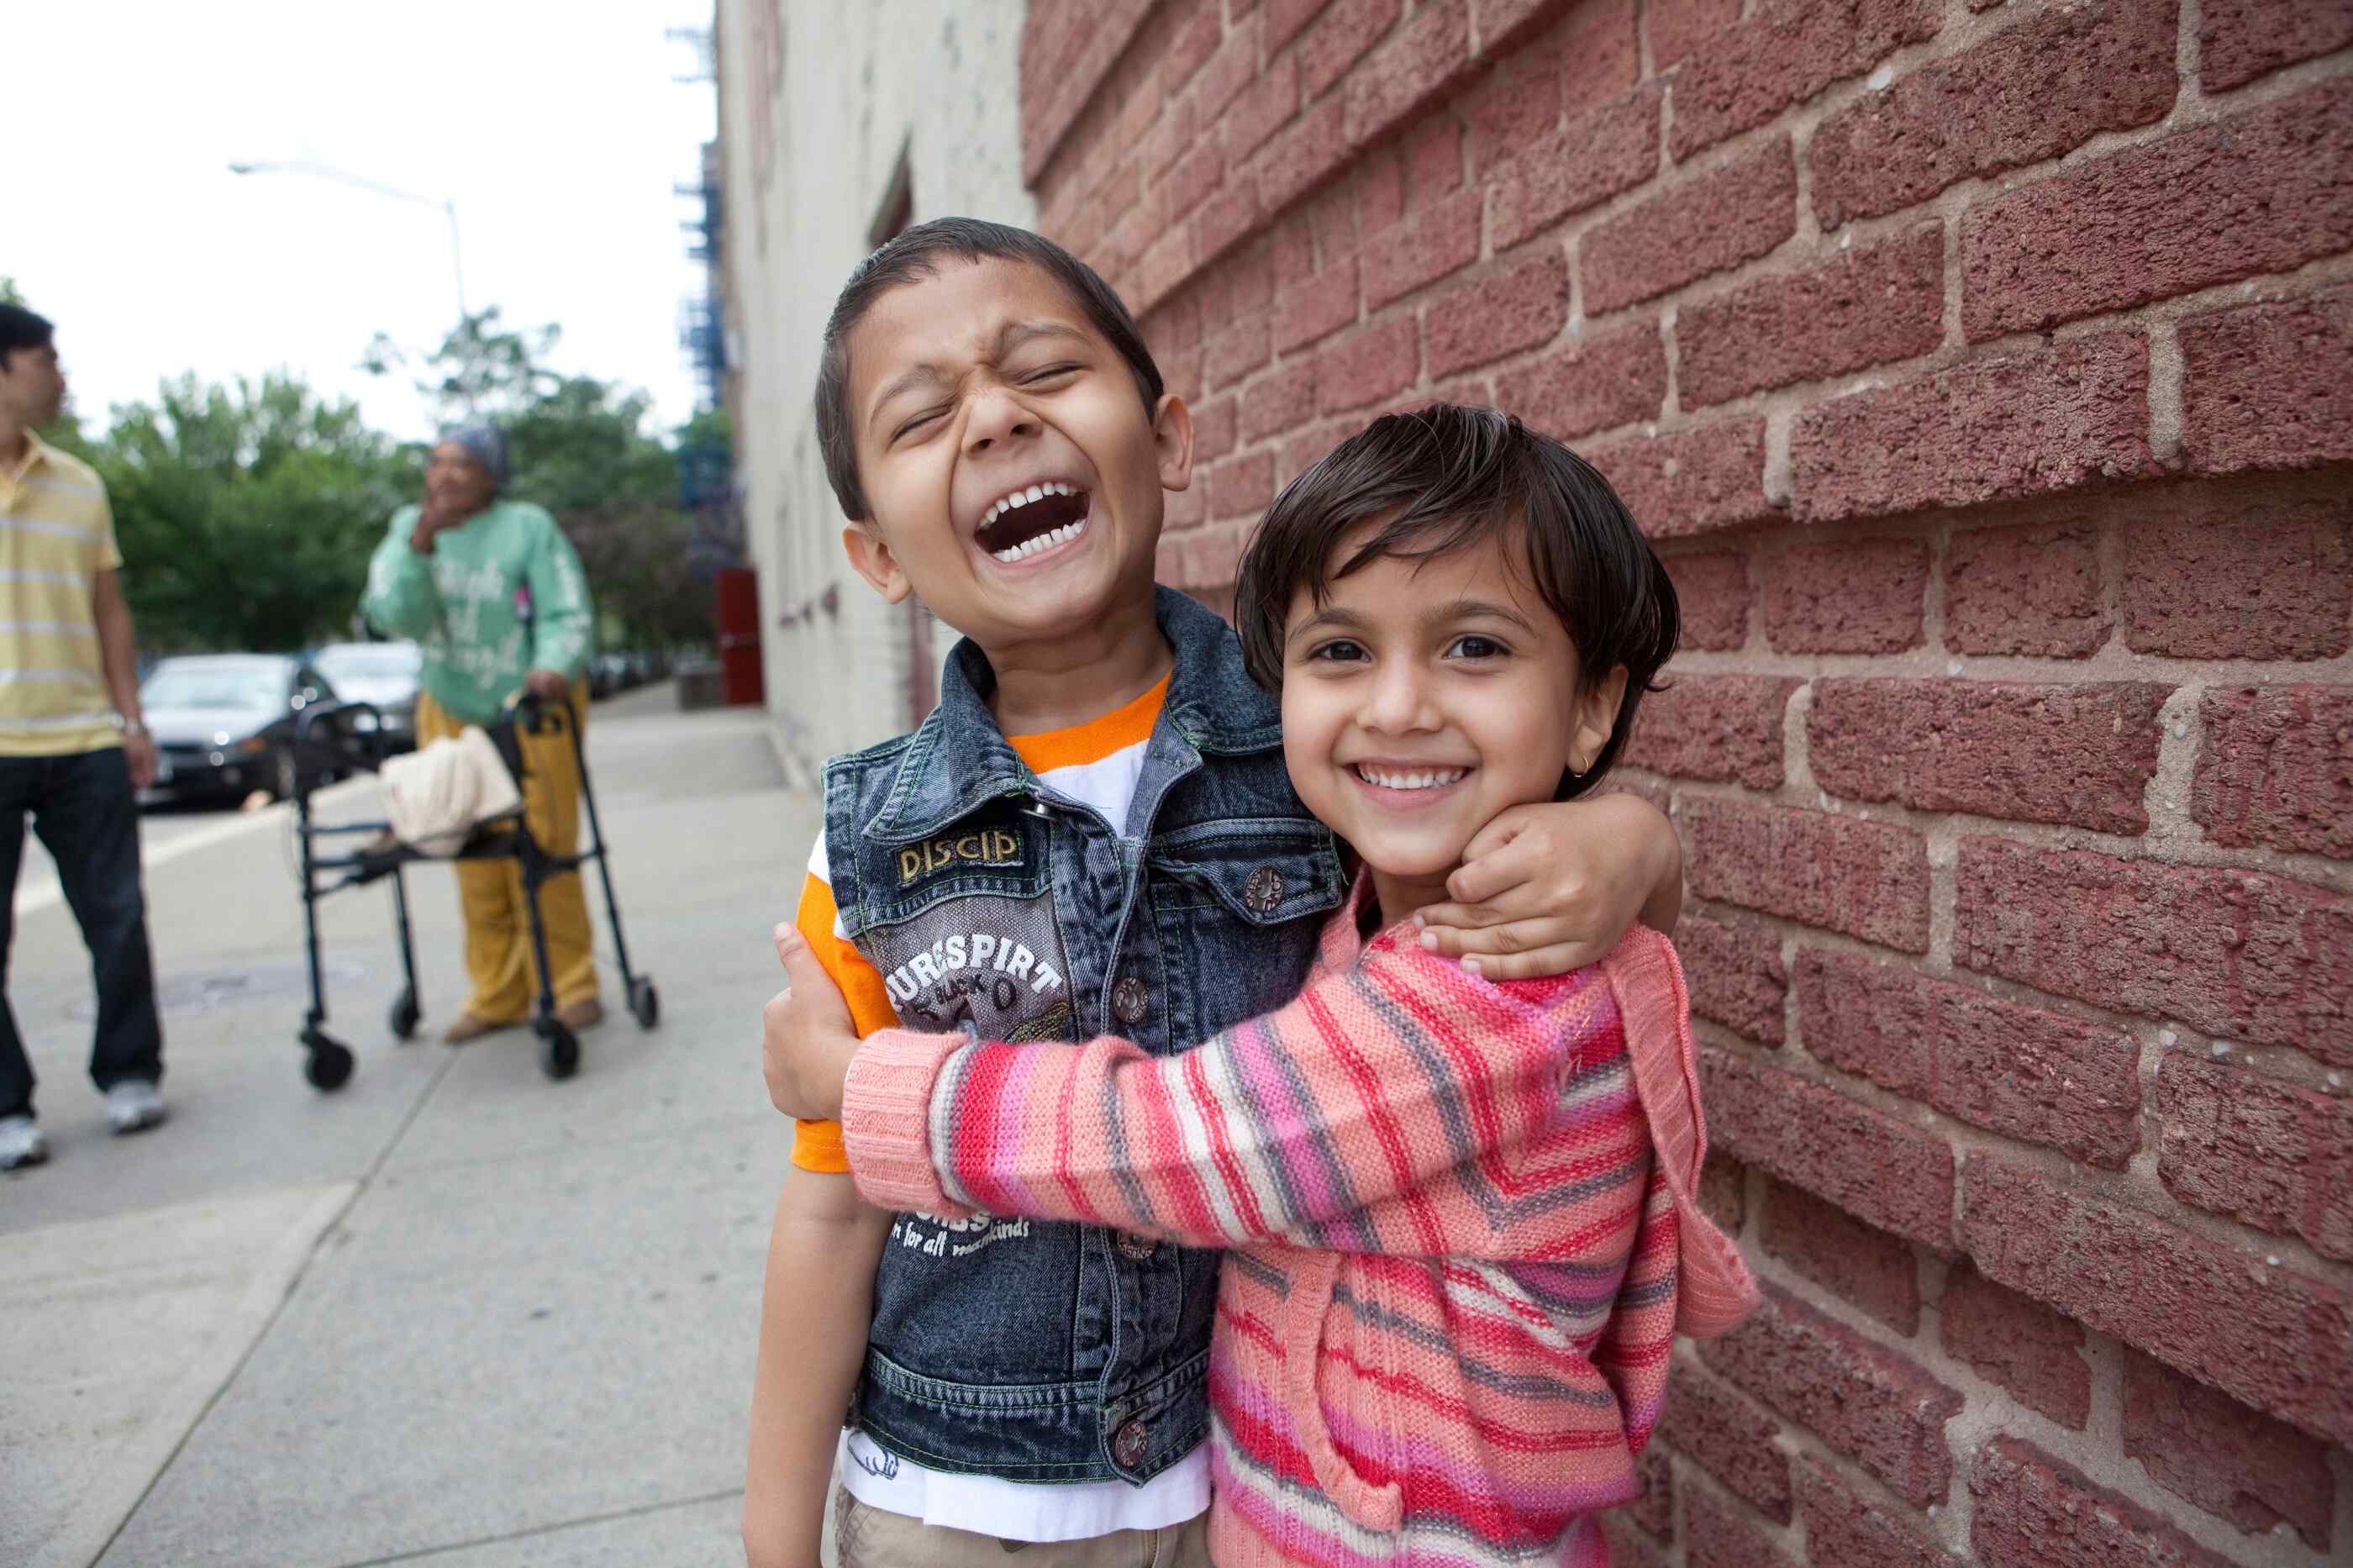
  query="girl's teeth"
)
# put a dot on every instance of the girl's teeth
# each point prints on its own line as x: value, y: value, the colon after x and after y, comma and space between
x: 1426, y: 779
x: 1046, y: 541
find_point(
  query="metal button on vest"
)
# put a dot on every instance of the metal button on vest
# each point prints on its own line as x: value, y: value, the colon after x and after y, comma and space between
x: 1263, y: 889
x: 1137, y: 1248
x: 1127, y: 1444
x: 1128, y: 1000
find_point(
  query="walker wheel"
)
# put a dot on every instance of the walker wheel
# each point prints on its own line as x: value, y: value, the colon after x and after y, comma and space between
x: 330, y: 1067
x: 403, y: 1014
x: 645, y: 1003
x: 559, y: 1049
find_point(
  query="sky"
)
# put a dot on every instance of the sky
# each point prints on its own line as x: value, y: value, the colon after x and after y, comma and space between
x: 556, y: 127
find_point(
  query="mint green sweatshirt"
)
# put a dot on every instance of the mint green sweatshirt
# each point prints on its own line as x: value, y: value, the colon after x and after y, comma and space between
x: 465, y: 603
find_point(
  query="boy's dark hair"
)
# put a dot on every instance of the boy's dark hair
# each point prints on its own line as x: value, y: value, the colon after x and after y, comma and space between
x: 1439, y: 479
x: 917, y: 253
x: 21, y: 329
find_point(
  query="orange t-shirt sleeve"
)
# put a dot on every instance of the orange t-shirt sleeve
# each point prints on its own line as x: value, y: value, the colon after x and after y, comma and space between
x: 817, y: 1145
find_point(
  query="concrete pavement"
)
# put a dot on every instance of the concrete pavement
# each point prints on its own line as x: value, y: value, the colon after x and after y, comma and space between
x: 454, y: 1314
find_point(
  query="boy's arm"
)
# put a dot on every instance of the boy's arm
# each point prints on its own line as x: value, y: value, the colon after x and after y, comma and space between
x: 1371, y: 1083
x: 1544, y: 890
x: 813, y: 1310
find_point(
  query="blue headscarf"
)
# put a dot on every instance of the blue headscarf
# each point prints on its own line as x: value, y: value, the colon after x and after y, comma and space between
x: 485, y: 445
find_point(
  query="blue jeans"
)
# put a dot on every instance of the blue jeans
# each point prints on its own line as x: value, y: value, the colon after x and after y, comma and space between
x: 83, y: 809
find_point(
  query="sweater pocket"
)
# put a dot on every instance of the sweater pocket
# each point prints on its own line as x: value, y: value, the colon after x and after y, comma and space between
x: 1377, y: 1507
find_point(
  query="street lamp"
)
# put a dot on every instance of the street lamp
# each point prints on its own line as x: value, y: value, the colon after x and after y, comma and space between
x: 448, y: 205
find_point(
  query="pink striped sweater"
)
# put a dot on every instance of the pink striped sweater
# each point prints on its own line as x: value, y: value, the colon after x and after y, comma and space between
x: 1462, y: 1220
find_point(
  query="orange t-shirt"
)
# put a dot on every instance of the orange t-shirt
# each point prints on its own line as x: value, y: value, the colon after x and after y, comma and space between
x: 1096, y: 763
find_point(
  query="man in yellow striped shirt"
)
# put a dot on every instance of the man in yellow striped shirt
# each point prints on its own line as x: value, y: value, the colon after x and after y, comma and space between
x: 73, y: 748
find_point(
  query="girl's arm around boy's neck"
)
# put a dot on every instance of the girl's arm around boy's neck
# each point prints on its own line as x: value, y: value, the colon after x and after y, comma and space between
x: 1544, y: 890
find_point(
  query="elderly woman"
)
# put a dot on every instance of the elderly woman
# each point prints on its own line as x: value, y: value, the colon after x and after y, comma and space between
x: 493, y: 591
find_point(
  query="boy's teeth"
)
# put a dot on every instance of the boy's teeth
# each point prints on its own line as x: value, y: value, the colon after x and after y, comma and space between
x: 1023, y: 498
x: 1427, y: 778
x: 1046, y: 541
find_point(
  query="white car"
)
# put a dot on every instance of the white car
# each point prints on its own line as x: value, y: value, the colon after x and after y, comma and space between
x: 387, y: 674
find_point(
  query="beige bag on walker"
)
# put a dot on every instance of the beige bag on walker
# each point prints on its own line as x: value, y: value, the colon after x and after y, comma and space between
x: 438, y: 796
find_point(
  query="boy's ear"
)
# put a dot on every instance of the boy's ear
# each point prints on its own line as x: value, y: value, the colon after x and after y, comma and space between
x: 873, y: 561
x: 1171, y: 436
x: 1593, y: 715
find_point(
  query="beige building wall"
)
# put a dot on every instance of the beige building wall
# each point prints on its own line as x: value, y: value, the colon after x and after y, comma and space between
x: 831, y: 115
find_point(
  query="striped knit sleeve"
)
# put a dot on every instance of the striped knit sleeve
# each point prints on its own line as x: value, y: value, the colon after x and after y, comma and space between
x: 1375, y: 1080
x: 1632, y: 1356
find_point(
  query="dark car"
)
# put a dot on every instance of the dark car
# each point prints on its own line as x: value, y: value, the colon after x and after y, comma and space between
x: 224, y: 723
x: 386, y: 674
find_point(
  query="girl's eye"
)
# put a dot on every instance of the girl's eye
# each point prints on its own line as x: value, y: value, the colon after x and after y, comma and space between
x: 1339, y: 650
x: 1473, y: 645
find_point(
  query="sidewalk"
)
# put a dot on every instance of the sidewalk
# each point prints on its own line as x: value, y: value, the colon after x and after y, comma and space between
x: 455, y: 1315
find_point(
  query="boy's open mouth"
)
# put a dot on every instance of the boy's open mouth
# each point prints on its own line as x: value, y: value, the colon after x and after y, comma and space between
x: 1033, y: 520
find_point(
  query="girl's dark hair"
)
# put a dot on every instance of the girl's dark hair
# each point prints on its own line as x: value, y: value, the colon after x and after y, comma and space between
x: 1442, y: 479
x: 917, y: 253
x: 21, y: 329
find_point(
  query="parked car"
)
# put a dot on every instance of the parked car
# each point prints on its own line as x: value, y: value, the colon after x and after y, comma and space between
x: 387, y: 674
x: 224, y: 723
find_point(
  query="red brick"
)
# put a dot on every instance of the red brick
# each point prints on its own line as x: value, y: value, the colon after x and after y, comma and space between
x: 2236, y: 954
x: 1241, y: 486
x: 1868, y: 880
x: 1279, y: 401
x: 2275, y: 768
x: 1264, y: 108
x: 1284, y: 18
x: 1233, y: 354
x: 1309, y: 447
x: 1516, y: 106
x: 1675, y: 27
x: 1188, y: 508
x: 1213, y: 430
x: 1723, y: 1184
x: 2239, y: 575
x: 1346, y: 31
x: 1868, y: 1267
x: 2034, y: 1511
x: 1442, y: 238
x: 1628, y: 1547
x: 2030, y: 590
x: 1229, y: 216
x: 1787, y: 52
x: 1883, y: 302
x: 1690, y: 481
x: 2258, y: 194
x: 1161, y: 267
x: 2054, y: 420
x: 1845, y: 1529
x: 2018, y: 1343
x: 1368, y: 364
x: 1711, y: 592
x: 1317, y: 306
x: 1293, y: 247
x: 2239, y: 40
x: 1718, y: 1534
x: 1499, y: 314
x: 2031, y: 1074
x: 1408, y: 69
x: 1194, y: 42
x: 1721, y: 219
x: 2028, y: 93
x: 1871, y: 1403
x: 1613, y: 147
x: 1729, y: 1436
x: 2264, y: 1153
x: 1654, y: 1510
x: 1866, y: 596
x: 1233, y: 67
x: 1197, y: 173
x: 1433, y: 161
x: 2077, y: 754
x: 1595, y: 47
x: 1380, y: 194
x: 2228, y: 1459
x: 1734, y: 971
x: 1715, y: 727
x: 1301, y: 156
x: 2266, y: 386
x: 1591, y: 383
x: 1896, y: 1176
x: 2267, y: 1337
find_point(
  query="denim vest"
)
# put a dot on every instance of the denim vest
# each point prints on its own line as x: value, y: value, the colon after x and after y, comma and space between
x: 1019, y: 1349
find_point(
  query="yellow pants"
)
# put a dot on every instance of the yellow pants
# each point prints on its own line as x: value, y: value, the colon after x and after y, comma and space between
x: 500, y: 967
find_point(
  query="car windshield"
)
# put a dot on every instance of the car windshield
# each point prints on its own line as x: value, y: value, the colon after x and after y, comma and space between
x: 389, y: 662
x: 215, y: 686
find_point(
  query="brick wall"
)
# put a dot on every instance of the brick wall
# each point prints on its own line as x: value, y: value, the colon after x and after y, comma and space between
x: 1982, y: 370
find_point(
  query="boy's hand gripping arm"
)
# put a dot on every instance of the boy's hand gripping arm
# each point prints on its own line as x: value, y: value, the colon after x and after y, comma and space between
x: 1544, y: 890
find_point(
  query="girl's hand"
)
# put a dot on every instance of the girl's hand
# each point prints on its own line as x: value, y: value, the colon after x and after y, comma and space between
x: 1544, y: 890
x: 807, y: 1037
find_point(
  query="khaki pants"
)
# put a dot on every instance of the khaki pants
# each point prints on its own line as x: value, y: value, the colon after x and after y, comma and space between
x: 870, y: 1537
x: 501, y: 971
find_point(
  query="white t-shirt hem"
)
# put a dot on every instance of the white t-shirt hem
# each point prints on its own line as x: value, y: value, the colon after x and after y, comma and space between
x: 1023, y: 1511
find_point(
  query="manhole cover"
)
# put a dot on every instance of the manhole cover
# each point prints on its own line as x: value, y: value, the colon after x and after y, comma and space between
x: 185, y: 993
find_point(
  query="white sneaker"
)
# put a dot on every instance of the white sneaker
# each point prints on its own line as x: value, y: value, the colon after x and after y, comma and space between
x: 21, y: 1142
x: 133, y: 1104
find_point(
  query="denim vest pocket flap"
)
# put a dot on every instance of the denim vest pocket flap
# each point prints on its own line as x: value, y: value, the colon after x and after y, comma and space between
x: 1267, y: 872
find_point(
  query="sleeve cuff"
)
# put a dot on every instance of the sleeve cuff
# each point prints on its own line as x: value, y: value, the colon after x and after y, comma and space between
x: 886, y: 1104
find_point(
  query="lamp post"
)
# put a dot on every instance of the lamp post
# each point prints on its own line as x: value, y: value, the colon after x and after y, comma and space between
x: 449, y: 206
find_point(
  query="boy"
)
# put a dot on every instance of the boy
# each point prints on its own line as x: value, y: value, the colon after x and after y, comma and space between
x: 1093, y: 828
